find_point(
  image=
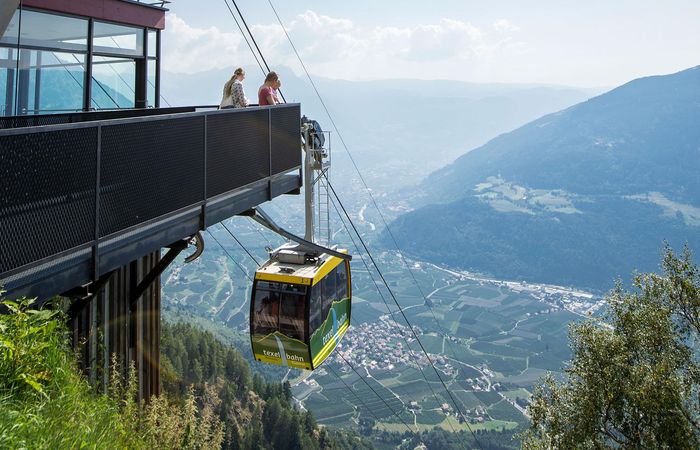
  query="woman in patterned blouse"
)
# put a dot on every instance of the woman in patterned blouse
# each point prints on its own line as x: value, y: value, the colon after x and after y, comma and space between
x: 234, y: 97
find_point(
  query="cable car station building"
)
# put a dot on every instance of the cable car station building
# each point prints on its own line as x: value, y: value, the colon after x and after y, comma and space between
x: 100, y: 187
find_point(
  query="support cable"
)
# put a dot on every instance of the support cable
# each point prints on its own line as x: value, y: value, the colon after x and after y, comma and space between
x: 231, y: 257
x: 256, y: 228
x: 391, y: 293
x: 255, y: 42
x: 352, y: 159
x: 245, y: 37
x: 241, y: 244
x: 386, y: 304
x: 337, y: 375
x: 376, y: 393
x: 373, y: 202
x: 364, y: 183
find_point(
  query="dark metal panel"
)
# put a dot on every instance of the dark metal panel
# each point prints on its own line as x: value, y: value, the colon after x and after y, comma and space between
x: 285, y: 184
x: 149, y: 169
x: 237, y: 149
x: 44, y: 282
x: 230, y: 205
x: 121, y: 251
x: 286, y: 141
x: 47, y: 200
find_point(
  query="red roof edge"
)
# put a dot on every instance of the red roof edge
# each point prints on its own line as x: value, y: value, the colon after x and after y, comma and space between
x: 126, y: 12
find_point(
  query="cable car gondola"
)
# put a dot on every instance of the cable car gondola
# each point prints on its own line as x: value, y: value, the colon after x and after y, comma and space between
x: 302, y: 296
x: 300, y: 308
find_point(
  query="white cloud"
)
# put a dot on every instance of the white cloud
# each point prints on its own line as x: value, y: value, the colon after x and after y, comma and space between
x: 505, y: 25
x: 189, y: 50
x: 340, y: 48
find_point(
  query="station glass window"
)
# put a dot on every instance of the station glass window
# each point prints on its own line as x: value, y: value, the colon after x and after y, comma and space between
x: 41, y: 81
x: 8, y: 79
x: 47, y: 30
x: 117, y: 39
x: 152, y: 43
x: 44, y: 57
x: 113, y: 82
x: 151, y: 80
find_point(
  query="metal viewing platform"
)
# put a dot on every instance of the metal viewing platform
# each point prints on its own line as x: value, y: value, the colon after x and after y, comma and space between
x: 83, y: 194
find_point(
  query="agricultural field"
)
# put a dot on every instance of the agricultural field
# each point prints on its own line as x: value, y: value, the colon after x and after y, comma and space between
x: 491, y: 341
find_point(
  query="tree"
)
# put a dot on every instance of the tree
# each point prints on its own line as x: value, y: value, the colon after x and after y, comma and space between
x: 634, y: 378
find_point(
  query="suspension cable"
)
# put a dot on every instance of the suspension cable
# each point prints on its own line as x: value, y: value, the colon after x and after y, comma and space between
x: 231, y: 257
x: 257, y: 263
x: 251, y: 34
x: 353, y: 392
x: 376, y: 393
x: 373, y: 202
x: 255, y: 43
x: 386, y: 304
x: 244, y: 36
x: 364, y: 183
x: 352, y: 159
x: 403, y: 314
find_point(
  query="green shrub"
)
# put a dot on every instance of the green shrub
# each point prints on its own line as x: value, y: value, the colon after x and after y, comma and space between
x: 45, y: 402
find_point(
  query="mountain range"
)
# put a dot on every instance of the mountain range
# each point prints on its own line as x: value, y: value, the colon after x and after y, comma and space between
x: 407, y: 128
x: 579, y: 197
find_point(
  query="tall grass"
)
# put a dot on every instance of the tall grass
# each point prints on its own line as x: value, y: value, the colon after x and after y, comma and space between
x: 45, y: 402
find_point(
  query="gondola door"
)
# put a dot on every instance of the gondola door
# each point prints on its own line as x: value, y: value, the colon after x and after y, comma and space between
x: 279, y: 323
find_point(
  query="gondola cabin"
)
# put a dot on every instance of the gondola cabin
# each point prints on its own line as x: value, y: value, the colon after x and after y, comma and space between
x: 300, y: 309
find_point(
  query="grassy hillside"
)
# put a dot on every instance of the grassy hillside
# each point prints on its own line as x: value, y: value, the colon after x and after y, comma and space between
x: 45, y: 402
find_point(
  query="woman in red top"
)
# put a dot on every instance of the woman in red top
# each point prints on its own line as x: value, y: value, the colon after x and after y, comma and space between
x: 266, y: 93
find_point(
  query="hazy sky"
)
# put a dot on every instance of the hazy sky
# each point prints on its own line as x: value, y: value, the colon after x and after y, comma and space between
x: 589, y: 43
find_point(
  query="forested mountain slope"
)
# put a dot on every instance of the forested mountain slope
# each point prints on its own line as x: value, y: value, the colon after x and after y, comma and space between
x: 256, y: 414
x: 576, y: 197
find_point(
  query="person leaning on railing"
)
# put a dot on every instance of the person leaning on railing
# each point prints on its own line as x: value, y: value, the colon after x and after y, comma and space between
x: 233, y: 96
x: 266, y: 92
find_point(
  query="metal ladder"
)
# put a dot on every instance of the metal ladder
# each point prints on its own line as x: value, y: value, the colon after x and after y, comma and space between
x: 323, y: 213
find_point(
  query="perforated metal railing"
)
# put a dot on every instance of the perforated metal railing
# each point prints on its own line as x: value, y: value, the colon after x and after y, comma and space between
x: 35, y: 120
x: 80, y: 199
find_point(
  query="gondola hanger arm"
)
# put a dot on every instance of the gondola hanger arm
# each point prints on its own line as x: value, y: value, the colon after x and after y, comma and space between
x: 263, y: 219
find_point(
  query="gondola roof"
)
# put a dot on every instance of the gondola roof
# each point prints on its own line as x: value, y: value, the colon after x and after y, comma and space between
x: 307, y: 274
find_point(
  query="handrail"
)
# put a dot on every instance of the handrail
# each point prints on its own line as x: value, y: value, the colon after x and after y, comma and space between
x: 28, y: 120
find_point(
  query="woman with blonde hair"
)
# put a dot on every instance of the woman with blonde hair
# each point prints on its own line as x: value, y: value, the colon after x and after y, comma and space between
x: 266, y: 93
x: 276, y: 90
x: 234, y: 97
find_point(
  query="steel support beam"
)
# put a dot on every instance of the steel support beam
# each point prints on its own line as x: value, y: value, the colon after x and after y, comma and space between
x: 175, y: 249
